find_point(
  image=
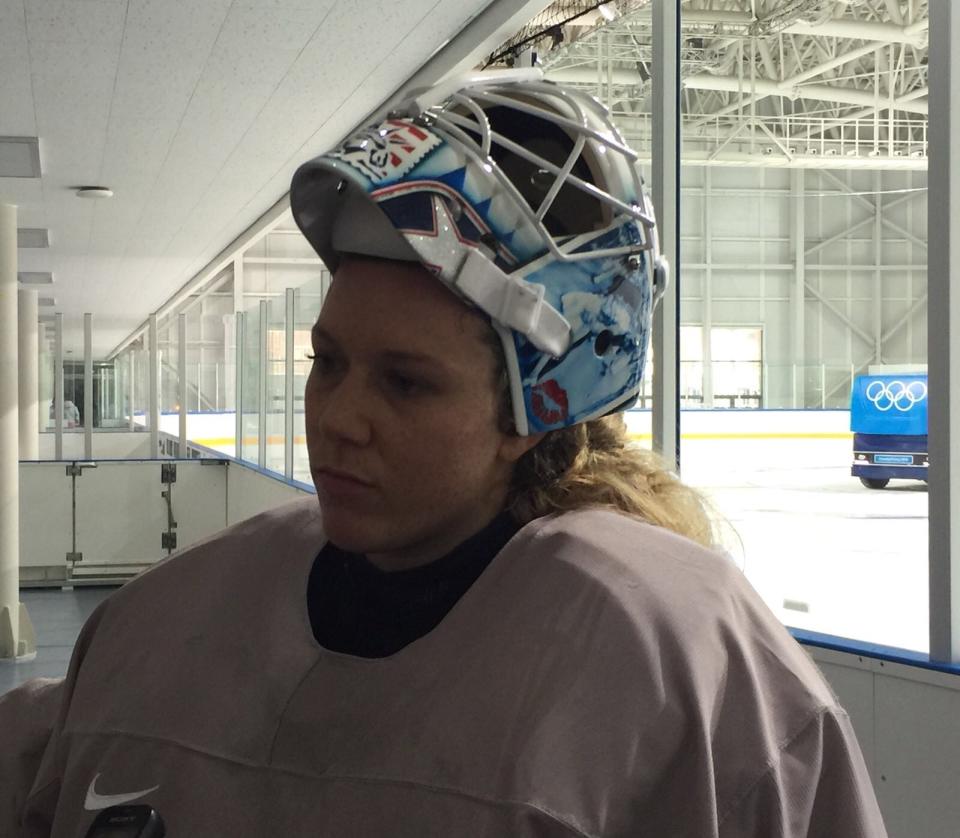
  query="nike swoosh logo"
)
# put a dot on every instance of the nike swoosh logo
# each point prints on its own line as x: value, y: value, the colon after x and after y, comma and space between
x: 95, y: 802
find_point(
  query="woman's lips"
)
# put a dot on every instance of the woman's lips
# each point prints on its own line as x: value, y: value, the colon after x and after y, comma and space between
x: 335, y: 484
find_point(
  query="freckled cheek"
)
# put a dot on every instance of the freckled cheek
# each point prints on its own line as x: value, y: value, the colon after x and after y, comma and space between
x: 440, y: 462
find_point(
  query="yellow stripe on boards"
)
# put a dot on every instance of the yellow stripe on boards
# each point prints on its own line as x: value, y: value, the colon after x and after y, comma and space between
x: 842, y: 435
x: 275, y: 439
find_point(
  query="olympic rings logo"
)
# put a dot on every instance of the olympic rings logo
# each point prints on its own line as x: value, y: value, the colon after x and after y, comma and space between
x: 895, y: 394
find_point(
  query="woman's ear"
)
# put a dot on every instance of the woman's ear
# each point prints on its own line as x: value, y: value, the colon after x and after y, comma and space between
x: 513, y: 446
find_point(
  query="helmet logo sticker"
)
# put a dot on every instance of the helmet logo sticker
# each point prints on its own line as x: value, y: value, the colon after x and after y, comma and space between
x: 549, y: 402
x: 387, y: 151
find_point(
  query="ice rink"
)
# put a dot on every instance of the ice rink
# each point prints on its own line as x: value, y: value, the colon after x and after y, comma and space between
x: 826, y: 553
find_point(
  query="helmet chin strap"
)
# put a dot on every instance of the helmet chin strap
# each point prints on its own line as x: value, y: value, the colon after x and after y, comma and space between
x: 513, y: 302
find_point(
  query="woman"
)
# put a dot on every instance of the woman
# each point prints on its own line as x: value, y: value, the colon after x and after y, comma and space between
x: 502, y: 620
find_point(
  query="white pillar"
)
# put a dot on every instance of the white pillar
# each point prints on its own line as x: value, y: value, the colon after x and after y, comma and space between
x: 16, y: 633
x: 29, y: 374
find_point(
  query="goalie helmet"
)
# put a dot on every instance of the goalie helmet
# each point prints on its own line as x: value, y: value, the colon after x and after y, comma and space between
x: 521, y: 197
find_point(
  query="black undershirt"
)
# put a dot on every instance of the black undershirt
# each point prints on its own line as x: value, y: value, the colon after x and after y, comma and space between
x: 358, y: 609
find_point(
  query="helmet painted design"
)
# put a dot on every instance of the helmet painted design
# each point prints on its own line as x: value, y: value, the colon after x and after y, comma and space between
x: 521, y: 197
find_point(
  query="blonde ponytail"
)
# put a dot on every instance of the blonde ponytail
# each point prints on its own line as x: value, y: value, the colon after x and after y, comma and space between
x: 595, y: 464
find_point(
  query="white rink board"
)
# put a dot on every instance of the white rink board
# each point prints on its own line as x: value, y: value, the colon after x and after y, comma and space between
x: 45, y: 515
x: 825, y: 553
x: 250, y: 493
x: 107, y: 445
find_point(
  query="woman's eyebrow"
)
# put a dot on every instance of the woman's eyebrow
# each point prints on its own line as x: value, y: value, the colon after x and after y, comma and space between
x: 318, y: 333
x: 414, y: 357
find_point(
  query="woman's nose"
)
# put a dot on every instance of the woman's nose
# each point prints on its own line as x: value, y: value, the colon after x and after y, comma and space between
x: 342, y: 411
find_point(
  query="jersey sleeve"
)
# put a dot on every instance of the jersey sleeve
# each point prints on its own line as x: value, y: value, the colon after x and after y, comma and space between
x: 28, y: 716
x: 35, y: 759
x: 817, y: 787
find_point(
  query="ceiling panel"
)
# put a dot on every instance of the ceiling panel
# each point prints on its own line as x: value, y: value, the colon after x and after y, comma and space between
x: 90, y: 21
x: 195, y: 114
x: 16, y: 98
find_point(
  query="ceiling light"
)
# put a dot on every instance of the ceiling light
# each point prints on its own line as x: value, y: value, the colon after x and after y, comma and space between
x: 609, y: 11
x: 46, y: 302
x: 94, y: 192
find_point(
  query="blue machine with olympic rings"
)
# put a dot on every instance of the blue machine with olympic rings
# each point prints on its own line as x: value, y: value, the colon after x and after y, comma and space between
x: 888, y: 417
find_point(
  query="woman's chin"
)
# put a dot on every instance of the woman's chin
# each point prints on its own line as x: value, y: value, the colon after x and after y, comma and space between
x: 350, y: 531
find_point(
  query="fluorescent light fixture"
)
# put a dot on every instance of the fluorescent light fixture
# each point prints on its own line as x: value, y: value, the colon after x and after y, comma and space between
x: 94, y: 192
x: 19, y: 157
x: 34, y: 277
x: 32, y: 237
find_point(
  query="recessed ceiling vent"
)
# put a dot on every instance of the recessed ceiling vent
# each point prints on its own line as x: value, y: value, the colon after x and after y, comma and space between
x: 34, y: 277
x: 32, y: 237
x: 19, y: 157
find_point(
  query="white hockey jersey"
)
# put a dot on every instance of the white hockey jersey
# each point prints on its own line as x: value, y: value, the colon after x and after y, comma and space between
x: 603, y: 677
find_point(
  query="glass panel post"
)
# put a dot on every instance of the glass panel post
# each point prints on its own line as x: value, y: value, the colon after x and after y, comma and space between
x: 131, y: 389
x: 943, y: 354
x: 288, y: 386
x: 153, y: 407
x: 666, y: 188
x: 88, y: 386
x: 238, y: 402
x: 182, y: 380
x: 262, y: 437
x: 58, y: 385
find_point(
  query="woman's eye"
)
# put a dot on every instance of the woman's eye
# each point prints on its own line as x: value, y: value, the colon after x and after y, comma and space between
x: 403, y: 384
x: 322, y: 361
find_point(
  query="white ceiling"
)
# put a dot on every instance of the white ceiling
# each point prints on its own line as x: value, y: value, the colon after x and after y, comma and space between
x: 195, y: 113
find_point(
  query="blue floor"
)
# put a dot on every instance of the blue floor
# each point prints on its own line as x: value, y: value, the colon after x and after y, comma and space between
x: 57, y: 616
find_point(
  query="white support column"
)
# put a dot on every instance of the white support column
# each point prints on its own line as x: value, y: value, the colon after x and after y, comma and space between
x: 798, y: 297
x: 29, y: 374
x: 16, y: 633
x: 58, y: 385
x: 238, y: 283
x: 707, y: 297
x: 943, y: 354
x: 288, y: 394
x: 88, y: 386
x: 153, y: 400
x: 182, y: 380
x: 878, y: 272
x: 666, y: 189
